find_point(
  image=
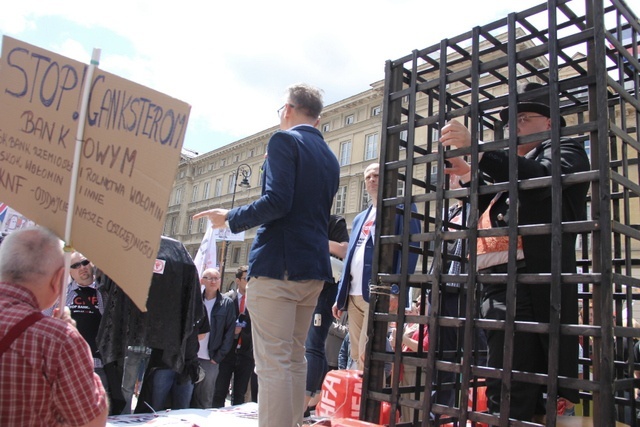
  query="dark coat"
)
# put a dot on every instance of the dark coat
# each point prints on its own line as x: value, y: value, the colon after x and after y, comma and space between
x: 222, y: 323
x: 535, y: 207
x: 246, y: 345
x: 300, y: 179
x: 173, y: 308
x: 345, y: 281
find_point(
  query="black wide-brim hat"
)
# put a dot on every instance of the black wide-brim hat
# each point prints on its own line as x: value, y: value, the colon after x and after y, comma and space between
x: 535, y: 105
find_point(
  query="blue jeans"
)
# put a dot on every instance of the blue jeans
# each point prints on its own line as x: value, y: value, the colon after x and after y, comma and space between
x: 165, y: 381
x: 204, y: 390
x: 317, y: 366
x: 135, y: 363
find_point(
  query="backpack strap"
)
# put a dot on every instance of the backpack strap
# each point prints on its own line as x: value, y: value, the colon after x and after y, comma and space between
x: 18, y: 329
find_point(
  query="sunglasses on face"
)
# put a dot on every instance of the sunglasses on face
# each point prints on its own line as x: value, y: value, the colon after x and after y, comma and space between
x: 79, y: 264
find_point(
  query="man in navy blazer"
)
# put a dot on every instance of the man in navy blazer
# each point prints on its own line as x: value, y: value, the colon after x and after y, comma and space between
x: 289, y: 259
x: 353, y: 289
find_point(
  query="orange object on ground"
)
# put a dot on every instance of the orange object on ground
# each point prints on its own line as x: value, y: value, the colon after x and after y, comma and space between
x: 481, y: 404
x: 341, y: 395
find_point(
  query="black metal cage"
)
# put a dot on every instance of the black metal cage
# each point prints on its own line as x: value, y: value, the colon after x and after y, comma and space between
x: 585, y: 53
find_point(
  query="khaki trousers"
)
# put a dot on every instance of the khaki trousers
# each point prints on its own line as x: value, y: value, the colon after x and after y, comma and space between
x: 358, y: 312
x: 281, y: 312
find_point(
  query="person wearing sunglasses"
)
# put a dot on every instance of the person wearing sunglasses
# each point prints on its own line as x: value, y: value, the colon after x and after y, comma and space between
x: 85, y: 302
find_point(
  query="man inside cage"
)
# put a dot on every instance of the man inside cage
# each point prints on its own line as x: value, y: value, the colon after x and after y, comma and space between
x: 534, y: 254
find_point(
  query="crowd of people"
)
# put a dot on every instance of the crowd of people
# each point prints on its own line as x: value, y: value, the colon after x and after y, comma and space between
x: 274, y: 336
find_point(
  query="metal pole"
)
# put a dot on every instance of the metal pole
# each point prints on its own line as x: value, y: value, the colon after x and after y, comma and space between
x: 245, y: 170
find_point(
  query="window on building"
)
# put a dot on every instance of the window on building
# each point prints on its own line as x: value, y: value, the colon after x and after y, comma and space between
x: 235, y: 258
x: 178, y: 198
x: 194, y: 195
x: 252, y: 152
x: 202, y: 223
x: 205, y: 193
x: 232, y: 183
x: 365, y: 199
x: 400, y: 188
x: 223, y: 162
x: 182, y: 173
x: 349, y: 120
x: 217, y: 192
x: 236, y: 158
x: 326, y: 127
x: 174, y: 226
x: 375, y: 111
x: 341, y: 200
x: 435, y: 134
x: 434, y: 172
x: 345, y: 153
x: 371, y: 146
x: 403, y: 137
x: 190, y: 225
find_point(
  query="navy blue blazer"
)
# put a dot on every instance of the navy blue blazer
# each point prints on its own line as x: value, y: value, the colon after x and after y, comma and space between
x: 356, y: 229
x: 301, y: 176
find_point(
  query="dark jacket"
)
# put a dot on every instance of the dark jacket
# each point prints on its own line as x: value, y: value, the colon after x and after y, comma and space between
x: 300, y: 179
x: 173, y: 308
x: 345, y: 281
x: 222, y: 323
x: 246, y: 345
x: 535, y: 207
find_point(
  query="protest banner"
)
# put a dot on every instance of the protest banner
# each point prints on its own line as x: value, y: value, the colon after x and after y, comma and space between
x: 130, y: 148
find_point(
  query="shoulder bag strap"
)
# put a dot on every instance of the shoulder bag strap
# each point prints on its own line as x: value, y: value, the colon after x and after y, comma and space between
x: 18, y: 329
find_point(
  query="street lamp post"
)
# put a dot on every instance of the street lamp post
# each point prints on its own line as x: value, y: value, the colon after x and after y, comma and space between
x: 244, y: 170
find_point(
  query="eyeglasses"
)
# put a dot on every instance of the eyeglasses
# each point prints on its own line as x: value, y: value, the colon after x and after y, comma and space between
x: 79, y: 264
x: 210, y: 278
x: 281, y: 108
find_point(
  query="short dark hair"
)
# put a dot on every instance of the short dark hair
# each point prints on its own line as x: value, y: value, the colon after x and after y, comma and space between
x: 306, y: 98
x: 241, y: 270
